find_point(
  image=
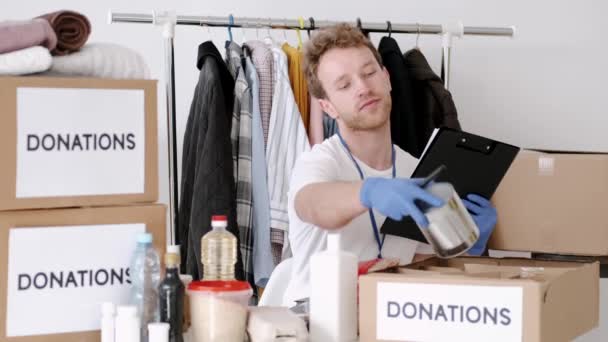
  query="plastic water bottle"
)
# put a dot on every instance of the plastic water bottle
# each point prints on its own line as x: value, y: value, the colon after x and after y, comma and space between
x: 145, y: 277
x: 218, y: 251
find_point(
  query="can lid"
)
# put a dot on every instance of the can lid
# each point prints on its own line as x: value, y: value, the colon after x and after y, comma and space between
x: 219, y: 286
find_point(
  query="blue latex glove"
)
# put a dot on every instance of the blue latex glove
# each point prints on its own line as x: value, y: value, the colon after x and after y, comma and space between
x: 396, y: 198
x: 484, y: 215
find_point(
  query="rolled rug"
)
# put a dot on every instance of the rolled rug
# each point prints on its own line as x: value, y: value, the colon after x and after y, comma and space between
x: 72, y: 30
x: 17, y: 35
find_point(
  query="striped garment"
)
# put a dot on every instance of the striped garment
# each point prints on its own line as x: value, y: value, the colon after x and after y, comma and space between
x: 240, y: 136
x: 263, y: 263
x: 287, y: 139
x: 262, y: 58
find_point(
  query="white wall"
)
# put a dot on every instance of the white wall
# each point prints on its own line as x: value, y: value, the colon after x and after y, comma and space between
x: 543, y: 89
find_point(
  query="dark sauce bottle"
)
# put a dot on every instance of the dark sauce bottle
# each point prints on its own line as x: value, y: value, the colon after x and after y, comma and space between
x: 171, y: 294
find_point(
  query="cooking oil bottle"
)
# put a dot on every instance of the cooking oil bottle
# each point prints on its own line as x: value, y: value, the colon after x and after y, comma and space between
x: 218, y: 251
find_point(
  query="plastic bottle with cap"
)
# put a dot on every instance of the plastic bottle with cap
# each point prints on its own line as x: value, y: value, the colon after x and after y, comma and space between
x: 127, y: 324
x: 218, y: 251
x: 158, y: 332
x: 333, y: 296
x: 171, y: 293
x: 145, y: 278
x: 107, y: 322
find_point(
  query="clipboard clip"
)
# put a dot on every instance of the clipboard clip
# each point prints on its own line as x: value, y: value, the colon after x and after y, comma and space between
x: 476, y: 144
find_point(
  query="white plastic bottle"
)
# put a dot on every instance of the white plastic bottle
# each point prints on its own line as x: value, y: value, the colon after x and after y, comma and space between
x: 333, y: 297
x: 107, y: 322
x: 158, y: 332
x: 127, y: 324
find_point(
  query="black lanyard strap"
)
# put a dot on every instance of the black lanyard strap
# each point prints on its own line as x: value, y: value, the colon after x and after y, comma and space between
x: 372, y: 218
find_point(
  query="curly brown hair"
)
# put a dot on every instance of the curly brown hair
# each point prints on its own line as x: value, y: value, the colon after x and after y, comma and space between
x: 338, y: 36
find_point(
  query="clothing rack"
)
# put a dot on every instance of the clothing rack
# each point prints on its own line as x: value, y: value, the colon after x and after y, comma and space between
x: 168, y: 20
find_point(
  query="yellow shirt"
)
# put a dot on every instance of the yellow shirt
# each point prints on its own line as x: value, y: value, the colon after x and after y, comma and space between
x: 298, y: 81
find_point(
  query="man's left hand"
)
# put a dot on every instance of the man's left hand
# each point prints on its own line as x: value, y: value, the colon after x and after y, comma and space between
x: 485, y: 216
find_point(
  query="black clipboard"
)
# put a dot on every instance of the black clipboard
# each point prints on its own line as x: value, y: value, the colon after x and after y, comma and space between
x: 475, y: 164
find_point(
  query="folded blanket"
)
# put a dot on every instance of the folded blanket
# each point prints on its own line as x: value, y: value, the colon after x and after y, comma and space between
x: 17, y: 35
x: 72, y: 29
x: 103, y: 60
x: 25, y: 61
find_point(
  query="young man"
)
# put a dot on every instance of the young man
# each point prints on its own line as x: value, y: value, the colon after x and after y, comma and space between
x: 351, y: 182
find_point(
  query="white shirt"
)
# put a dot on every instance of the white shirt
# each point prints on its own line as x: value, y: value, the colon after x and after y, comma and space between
x: 287, y: 140
x: 330, y: 162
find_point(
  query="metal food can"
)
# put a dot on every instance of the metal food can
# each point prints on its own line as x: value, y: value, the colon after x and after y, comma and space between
x: 451, y: 231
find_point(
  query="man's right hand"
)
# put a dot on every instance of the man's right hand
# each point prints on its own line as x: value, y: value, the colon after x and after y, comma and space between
x: 396, y: 198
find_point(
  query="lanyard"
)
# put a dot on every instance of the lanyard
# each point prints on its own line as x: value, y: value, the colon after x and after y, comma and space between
x: 372, y: 218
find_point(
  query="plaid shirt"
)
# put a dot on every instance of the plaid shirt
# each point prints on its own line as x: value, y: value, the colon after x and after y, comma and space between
x: 240, y: 135
x: 262, y: 58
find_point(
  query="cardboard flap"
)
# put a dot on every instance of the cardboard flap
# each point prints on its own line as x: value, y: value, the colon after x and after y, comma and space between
x: 553, y: 203
x: 571, y: 303
x: 445, y: 270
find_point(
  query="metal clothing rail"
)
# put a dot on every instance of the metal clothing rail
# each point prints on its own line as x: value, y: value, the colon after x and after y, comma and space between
x: 169, y: 19
x: 293, y: 24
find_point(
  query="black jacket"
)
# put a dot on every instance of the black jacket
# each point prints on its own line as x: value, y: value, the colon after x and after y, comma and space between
x: 404, y: 127
x: 433, y: 103
x: 207, y: 185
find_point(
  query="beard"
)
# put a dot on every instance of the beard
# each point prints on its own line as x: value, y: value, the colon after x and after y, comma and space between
x: 369, y: 121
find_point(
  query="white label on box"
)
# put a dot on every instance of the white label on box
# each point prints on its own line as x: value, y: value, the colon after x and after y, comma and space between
x: 442, y: 312
x: 78, y: 142
x: 59, y: 276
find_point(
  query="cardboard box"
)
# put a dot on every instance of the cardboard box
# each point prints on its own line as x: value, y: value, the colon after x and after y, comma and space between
x: 480, y: 299
x: 67, y: 142
x: 58, y: 265
x: 553, y: 203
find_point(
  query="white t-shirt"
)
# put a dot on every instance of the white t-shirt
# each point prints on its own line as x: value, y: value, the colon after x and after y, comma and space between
x: 330, y: 162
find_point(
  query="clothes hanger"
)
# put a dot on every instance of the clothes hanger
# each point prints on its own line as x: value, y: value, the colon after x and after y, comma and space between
x: 268, y: 27
x: 269, y: 39
x: 286, y: 41
x: 418, y: 37
x: 389, y: 28
x: 230, y: 24
x: 210, y: 36
x: 360, y: 27
x: 312, y: 25
x: 244, y: 46
x: 243, y: 36
x: 301, y: 20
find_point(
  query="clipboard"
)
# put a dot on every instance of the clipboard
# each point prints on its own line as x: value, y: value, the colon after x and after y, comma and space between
x: 475, y: 164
